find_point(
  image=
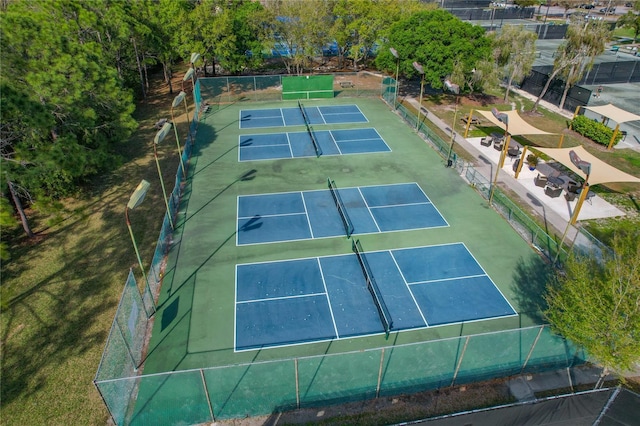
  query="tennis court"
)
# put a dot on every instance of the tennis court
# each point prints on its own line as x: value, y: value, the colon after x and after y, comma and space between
x: 297, y: 116
x: 326, y: 298
x: 312, y: 143
x: 331, y: 213
x: 245, y: 213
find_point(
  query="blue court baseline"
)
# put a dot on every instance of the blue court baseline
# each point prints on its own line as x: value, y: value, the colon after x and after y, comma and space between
x: 316, y: 299
x: 291, y: 216
x: 278, y: 117
x: 272, y: 146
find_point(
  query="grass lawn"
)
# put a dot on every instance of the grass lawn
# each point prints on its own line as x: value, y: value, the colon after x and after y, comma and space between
x: 60, y: 291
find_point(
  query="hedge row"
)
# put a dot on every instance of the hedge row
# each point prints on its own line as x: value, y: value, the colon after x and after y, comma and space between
x: 594, y: 130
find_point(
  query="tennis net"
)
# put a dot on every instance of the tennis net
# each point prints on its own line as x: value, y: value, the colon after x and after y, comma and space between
x: 346, y: 221
x: 385, y: 317
x: 316, y: 146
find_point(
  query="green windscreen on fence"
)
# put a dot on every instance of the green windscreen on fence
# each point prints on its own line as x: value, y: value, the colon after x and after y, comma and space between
x: 307, y: 87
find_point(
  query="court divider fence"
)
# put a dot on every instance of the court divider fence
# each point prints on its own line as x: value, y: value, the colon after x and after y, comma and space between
x: 216, y: 393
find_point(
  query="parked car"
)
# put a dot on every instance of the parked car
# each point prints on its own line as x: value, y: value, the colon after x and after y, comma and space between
x: 586, y: 6
x: 608, y: 10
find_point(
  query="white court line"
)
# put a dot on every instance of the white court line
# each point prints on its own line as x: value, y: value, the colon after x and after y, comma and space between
x: 494, y: 284
x: 326, y: 292
x: 274, y: 215
x: 290, y: 149
x: 306, y: 213
x: 268, y: 299
x: 408, y: 288
x: 369, y: 210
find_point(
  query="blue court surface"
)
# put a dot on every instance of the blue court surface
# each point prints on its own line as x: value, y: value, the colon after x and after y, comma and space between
x: 273, y: 146
x: 278, y: 117
x: 290, y: 216
x: 325, y: 298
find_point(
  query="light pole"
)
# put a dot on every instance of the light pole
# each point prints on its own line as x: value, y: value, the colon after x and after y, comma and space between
x: 134, y: 201
x: 419, y: 68
x: 162, y: 133
x: 455, y: 89
x: 394, y: 52
x: 177, y: 101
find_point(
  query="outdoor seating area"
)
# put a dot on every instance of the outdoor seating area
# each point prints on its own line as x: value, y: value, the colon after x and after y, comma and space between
x: 556, y: 182
x: 552, y: 185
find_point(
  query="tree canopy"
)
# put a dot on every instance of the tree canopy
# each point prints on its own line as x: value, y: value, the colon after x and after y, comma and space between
x: 436, y: 40
x: 595, y: 303
x: 71, y: 69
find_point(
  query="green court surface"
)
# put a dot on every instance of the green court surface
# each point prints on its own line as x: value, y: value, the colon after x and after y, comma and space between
x: 194, y: 325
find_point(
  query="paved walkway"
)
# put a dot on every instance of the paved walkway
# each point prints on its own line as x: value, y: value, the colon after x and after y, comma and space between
x: 486, y: 167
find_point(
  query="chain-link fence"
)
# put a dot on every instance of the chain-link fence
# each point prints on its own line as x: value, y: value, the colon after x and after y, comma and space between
x: 209, y: 394
x: 252, y: 389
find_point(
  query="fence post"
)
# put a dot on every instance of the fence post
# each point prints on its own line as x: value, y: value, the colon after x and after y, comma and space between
x: 295, y: 364
x: 206, y: 392
x: 380, y: 373
x: 455, y: 373
x: 526, y: 361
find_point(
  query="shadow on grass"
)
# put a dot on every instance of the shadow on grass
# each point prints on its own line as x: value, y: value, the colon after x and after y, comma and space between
x: 65, y: 288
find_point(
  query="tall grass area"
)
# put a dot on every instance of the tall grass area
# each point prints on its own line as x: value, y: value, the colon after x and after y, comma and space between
x: 60, y: 290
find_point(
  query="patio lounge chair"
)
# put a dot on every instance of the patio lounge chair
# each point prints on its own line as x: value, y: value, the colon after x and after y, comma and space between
x: 540, y: 180
x: 570, y: 196
x: 573, y: 187
x: 487, y: 141
x: 552, y: 192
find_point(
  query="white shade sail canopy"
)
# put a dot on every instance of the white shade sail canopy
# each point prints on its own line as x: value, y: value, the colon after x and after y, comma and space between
x: 601, y: 172
x: 517, y: 126
x: 614, y: 113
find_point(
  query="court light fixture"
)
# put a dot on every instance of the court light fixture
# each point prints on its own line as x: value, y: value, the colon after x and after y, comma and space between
x: 162, y: 133
x: 159, y: 137
x: 394, y: 52
x: 420, y: 70
x: 136, y: 198
x: 177, y: 101
x: 455, y: 89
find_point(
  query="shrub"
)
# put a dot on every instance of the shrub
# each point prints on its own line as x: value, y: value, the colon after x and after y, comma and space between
x: 594, y: 130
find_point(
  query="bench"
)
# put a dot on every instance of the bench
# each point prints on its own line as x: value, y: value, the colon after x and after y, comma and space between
x: 474, y: 120
x: 346, y: 84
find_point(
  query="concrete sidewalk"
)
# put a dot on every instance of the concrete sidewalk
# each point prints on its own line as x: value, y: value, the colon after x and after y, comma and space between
x: 525, y: 387
x: 486, y: 167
